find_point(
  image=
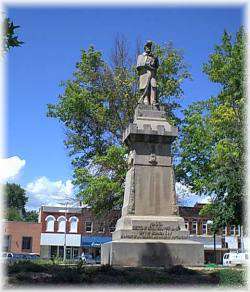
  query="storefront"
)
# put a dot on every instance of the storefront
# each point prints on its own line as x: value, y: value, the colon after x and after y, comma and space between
x: 92, y: 244
x: 52, y: 245
x: 71, y: 252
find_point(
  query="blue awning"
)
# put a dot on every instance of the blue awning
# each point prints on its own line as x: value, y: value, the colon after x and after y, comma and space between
x: 94, y: 241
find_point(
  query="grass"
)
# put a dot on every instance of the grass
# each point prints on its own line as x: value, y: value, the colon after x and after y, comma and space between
x: 233, y: 277
x: 47, y: 272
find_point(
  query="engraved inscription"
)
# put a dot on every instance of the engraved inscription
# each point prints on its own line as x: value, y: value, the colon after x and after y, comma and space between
x: 155, y: 231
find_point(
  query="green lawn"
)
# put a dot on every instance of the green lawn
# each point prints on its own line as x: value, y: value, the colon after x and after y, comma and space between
x: 48, y: 273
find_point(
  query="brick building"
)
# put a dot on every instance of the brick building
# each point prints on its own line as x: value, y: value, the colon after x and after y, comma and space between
x: 21, y: 237
x: 229, y: 238
x: 84, y: 232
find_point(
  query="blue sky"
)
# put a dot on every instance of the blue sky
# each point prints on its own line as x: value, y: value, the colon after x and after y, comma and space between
x: 53, y: 39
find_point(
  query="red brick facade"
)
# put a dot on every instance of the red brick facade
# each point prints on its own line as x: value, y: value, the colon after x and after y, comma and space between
x: 85, y: 216
x: 57, y: 215
x: 190, y: 215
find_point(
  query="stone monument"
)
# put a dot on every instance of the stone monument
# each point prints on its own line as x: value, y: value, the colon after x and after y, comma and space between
x: 150, y: 231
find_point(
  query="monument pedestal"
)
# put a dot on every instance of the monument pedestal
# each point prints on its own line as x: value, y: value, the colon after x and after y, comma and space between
x: 152, y: 253
x: 150, y: 231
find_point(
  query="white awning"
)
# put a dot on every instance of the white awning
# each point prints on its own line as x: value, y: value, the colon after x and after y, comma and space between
x: 58, y: 239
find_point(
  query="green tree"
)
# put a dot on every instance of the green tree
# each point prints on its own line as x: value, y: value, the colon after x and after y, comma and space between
x: 97, y: 105
x: 12, y: 214
x: 212, y: 142
x: 15, y: 197
x: 15, y: 200
x: 10, y: 37
x: 31, y: 216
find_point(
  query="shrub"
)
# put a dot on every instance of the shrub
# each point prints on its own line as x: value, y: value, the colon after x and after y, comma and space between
x: 67, y: 275
x: 180, y: 270
x: 26, y: 266
x: 80, y: 265
x: 24, y: 277
x: 232, y: 277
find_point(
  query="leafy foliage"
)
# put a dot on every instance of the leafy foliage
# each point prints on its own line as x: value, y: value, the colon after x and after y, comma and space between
x: 15, y: 200
x: 213, y: 131
x: 97, y: 105
x: 31, y: 216
x: 12, y: 214
x: 10, y: 38
x: 15, y: 197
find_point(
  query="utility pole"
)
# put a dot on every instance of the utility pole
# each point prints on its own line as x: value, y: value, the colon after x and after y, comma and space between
x: 66, y: 202
x: 242, y: 239
x: 65, y: 233
x: 214, y: 235
x: 214, y: 247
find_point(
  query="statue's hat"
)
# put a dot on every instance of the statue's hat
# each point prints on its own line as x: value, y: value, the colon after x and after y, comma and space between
x: 148, y: 44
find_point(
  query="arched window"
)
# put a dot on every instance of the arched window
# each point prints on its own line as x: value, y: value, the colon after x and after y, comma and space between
x: 50, y: 222
x: 61, y: 224
x: 73, y: 224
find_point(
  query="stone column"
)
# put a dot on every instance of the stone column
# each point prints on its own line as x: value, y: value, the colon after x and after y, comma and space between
x: 150, y: 227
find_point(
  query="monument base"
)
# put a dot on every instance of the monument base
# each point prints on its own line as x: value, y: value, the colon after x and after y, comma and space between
x: 150, y: 227
x: 152, y: 253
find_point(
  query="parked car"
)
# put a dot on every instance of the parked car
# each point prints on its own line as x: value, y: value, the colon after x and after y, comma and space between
x: 14, y: 256
x: 235, y: 259
x: 10, y: 257
x: 88, y: 259
x: 32, y: 257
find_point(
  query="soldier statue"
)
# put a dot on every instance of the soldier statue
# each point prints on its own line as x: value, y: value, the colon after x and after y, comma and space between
x: 147, y: 65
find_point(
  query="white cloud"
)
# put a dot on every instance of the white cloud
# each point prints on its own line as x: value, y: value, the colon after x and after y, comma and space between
x: 186, y: 198
x: 46, y: 192
x: 10, y: 168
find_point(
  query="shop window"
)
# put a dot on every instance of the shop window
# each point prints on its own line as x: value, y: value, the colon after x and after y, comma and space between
x: 88, y: 226
x: 50, y: 223
x: 61, y: 251
x: 53, y: 251
x: 204, y: 228
x: 232, y: 230
x: 61, y: 224
x: 75, y: 253
x: 194, y: 227
x: 73, y: 224
x: 6, y: 243
x: 27, y: 243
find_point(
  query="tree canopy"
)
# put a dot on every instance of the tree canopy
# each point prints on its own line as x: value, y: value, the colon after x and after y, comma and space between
x: 15, y: 200
x: 15, y: 197
x: 212, y: 144
x: 31, y: 216
x: 97, y: 104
